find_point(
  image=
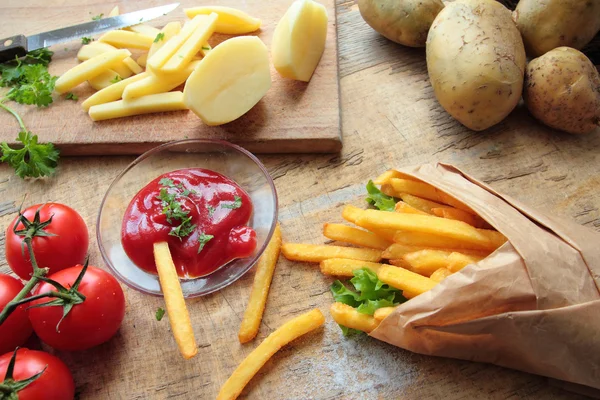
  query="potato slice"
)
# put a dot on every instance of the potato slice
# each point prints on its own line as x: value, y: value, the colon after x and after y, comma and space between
x: 229, y: 81
x: 299, y: 40
x: 142, y: 60
x: 105, y: 79
x: 89, y: 69
x: 231, y: 21
x: 169, y: 30
x: 144, y: 30
x: 162, y: 55
x: 160, y: 102
x: 114, y: 12
x: 192, y: 45
x: 133, y: 66
x: 95, y: 48
x: 154, y: 84
x: 111, y: 93
x: 126, y: 39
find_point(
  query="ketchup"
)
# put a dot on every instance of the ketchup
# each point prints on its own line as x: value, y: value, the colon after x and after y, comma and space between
x: 200, y: 213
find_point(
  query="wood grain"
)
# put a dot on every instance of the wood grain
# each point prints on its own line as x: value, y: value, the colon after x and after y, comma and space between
x: 390, y: 118
x: 294, y: 117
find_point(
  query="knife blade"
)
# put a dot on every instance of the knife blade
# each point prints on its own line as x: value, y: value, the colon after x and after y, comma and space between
x: 20, y: 45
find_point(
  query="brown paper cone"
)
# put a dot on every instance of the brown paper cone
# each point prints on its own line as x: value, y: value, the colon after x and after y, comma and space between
x: 532, y: 305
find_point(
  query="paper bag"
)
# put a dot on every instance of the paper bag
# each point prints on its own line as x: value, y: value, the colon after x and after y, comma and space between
x: 532, y: 305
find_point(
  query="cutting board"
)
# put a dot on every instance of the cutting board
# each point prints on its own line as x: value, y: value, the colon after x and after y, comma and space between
x: 294, y: 117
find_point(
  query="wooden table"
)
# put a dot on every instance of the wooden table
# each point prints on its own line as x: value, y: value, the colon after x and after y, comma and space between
x: 390, y: 118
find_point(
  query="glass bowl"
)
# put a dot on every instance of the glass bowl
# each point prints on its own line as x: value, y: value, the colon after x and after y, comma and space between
x: 228, y: 159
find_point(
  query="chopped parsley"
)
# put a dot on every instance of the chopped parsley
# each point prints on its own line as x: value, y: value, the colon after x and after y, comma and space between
x: 205, y: 48
x: 211, y: 210
x: 116, y: 79
x: 203, y: 239
x: 160, y: 313
x: 237, y: 203
x: 86, y: 40
x: 159, y: 37
x: 71, y: 96
x: 97, y: 17
x: 173, y: 209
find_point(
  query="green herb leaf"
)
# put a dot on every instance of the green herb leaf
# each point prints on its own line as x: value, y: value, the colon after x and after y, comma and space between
x: 71, y: 96
x: 211, y: 210
x: 160, y: 313
x: 34, y: 85
x: 205, y: 48
x: 33, y: 160
x: 173, y: 208
x: 97, y: 17
x: 116, y: 79
x: 168, y: 182
x: 379, y: 200
x: 349, y: 331
x: 237, y: 203
x: 86, y: 40
x: 160, y: 36
x: 203, y: 239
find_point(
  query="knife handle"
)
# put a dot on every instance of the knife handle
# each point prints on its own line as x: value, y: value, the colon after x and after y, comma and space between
x: 15, y: 46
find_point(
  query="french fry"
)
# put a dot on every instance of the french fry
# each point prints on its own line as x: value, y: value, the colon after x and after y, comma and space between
x: 399, y: 262
x: 405, y: 280
x: 388, y: 190
x: 451, y: 201
x: 440, y: 274
x: 427, y: 240
x: 403, y: 207
x: 345, y: 266
x: 286, y: 333
x: 425, y: 224
x: 409, y: 295
x: 420, y: 189
x: 457, y: 261
x: 318, y: 253
x: 419, y: 203
x: 389, y: 174
x: 351, y: 213
x: 260, y: 288
x: 347, y: 316
x: 398, y: 250
x: 354, y: 236
x: 460, y: 215
x: 181, y: 325
x: 426, y: 262
x: 383, y: 312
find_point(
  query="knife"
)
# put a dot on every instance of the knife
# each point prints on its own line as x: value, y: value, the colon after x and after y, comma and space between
x: 20, y: 45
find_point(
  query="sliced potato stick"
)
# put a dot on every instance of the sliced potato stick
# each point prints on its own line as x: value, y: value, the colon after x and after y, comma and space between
x: 260, y: 288
x: 457, y: 261
x: 144, y: 30
x: 420, y: 189
x: 153, y: 84
x: 420, y: 204
x: 181, y: 325
x: 405, y: 280
x: 440, y: 274
x: 426, y: 262
x: 348, y: 234
x: 403, y: 207
x: 169, y: 30
x: 346, y: 266
x: 162, y: 55
x: 142, y: 59
x: 126, y: 39
x: 133, y: 66
x: 383, y: 312
x: 111, y: 93
x: 231, y: 20
x: 160, y: 102
x: 425, y: 224
x: 347, y: 316
x: 289, y: 331
x: 318, y: 253
x: 93, y: 49
x: 105, y: 79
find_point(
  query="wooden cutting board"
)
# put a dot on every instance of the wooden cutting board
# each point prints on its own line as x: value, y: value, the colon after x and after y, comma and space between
x: 294, y: 117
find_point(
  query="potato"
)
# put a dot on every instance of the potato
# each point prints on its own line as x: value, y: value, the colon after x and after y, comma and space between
x: 562, y: 90
x: 476, y: 62
x: 402, y: 21
x: 548, y: 24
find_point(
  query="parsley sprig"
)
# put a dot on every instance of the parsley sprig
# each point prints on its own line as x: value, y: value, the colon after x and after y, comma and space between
x: 160, y: 36
x: 173, y: 209
x: 30, y: 83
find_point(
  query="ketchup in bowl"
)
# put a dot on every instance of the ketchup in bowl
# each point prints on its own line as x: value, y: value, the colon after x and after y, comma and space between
x: 202, y: 214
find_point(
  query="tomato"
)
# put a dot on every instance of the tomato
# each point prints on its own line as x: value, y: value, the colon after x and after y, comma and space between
x: 69, y: 246
x: 17, y: 328
x: 88, y: 324
x: 55, y: 383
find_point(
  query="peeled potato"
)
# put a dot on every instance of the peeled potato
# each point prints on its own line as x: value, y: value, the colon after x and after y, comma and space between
x: 299, y: 40
x: 231, y: 21
x: 229, y: 81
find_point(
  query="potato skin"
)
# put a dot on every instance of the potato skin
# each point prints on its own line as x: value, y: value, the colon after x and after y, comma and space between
x: 548, y: 24
x: 562, y: 90
x: 402, y: 21
x: 476, y: 62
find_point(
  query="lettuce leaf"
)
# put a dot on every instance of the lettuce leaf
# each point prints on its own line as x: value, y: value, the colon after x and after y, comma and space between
x: 378, y: 199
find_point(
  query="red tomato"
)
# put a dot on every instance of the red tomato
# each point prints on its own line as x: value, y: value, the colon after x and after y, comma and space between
x: 69, y: 246
x: 17, y: 328
x: 88, y: 324
x: 56, y: 383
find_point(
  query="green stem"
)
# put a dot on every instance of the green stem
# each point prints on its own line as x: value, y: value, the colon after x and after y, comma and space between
x: 14, y: 113
x: 5, y: 389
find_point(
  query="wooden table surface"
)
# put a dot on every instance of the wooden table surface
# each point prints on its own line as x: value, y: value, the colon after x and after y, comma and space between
x: 389, y: 118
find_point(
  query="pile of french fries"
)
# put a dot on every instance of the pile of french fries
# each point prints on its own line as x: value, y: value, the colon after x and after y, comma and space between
x: 427, y: 237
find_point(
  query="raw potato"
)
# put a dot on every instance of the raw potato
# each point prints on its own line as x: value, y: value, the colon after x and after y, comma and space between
x: 160, y: 102
x: 113, y: 92
x: 153, y: 84
x: 476, y: 62
x: 562, y: 90
x: 229, y: 81
x: 162, y: 55
x: 105, y: 79
x: 548, y: 24
x: 93, y: 49
x: 127, y: 39
x: 402, y: 21
x: 169, y: 30
x: 231, y: 21
x: 299, y: 40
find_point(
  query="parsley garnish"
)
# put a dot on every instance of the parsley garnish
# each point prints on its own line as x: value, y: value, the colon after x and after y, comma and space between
x: 71, y: 96
x: 203, y: 239
x: 160, y: 313
x: 97, y: 17
x: 173, y: 209
x: 205, y: 48
x: 86, y: 40
x: 237, y: 203
x: 211, y: 210
x: 159, y: 37
x: 30, y: 84
x: 116, y: 79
